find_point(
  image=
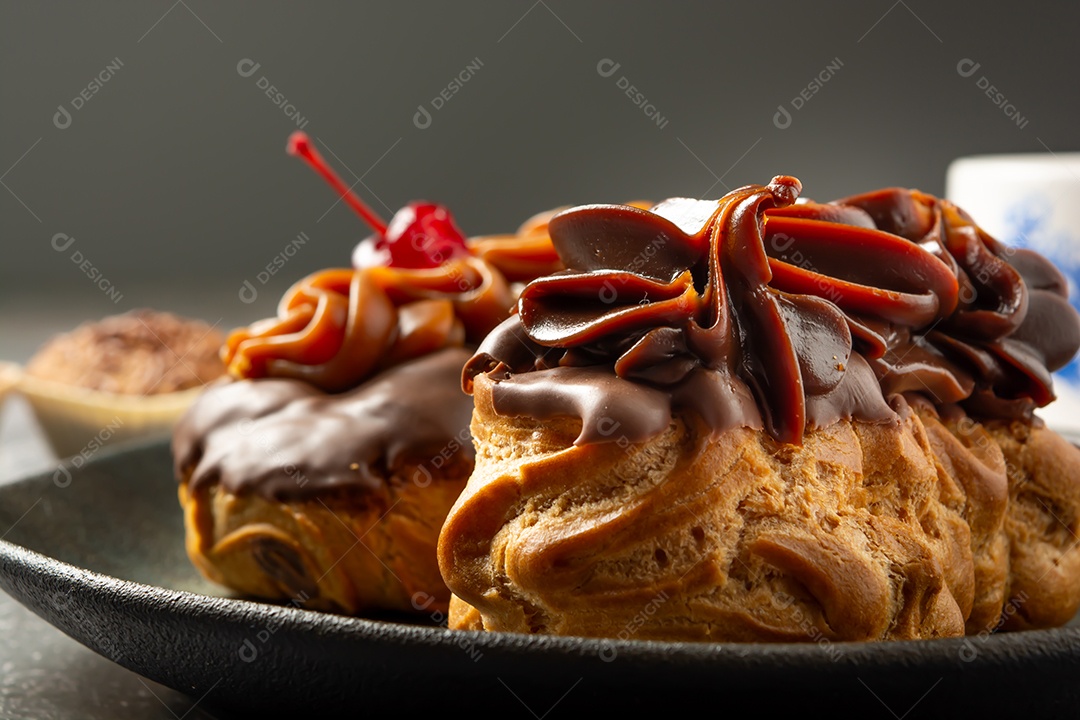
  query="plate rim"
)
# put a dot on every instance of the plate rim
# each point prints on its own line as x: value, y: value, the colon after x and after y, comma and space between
x: 992, y: 647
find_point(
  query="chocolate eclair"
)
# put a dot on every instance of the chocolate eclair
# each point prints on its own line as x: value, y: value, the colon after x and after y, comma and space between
x: 754, y: 419
x: 321, y: 472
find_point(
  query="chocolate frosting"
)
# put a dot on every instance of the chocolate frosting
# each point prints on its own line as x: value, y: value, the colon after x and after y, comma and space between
x: 287, y: 439
x: 756, y: 311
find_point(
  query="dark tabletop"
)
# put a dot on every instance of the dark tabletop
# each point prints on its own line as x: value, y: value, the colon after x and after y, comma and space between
x: 44, y: 674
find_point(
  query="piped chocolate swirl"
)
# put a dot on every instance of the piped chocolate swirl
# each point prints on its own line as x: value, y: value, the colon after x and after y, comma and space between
x: 756, y: 311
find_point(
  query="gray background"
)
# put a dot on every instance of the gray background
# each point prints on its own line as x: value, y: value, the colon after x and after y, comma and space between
x: 174, y: 181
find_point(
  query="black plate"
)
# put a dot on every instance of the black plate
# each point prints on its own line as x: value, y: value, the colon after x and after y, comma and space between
x: 99, y: 554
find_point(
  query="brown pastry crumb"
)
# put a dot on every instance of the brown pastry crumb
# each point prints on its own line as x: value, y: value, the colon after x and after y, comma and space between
x: 142, y: 352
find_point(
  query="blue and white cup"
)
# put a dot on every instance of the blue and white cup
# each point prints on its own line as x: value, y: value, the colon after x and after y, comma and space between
x: 1032, y: 201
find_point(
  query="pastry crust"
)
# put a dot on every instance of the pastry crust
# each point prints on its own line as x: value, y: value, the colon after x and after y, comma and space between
x: 1042, y: 525
x: 736, y: 538
x: 349, y: 552
x: 925, y: 527
x: 971, y: 470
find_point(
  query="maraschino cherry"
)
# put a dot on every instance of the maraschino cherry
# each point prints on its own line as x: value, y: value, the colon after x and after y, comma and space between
x: 420, y: 235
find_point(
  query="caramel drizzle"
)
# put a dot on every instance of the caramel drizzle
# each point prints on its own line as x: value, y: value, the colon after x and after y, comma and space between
x: 780, y: 295
x: 337, y: 327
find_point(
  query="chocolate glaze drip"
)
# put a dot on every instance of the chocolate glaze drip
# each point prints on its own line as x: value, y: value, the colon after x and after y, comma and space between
x: 287, y: 439
x: 815, y: 312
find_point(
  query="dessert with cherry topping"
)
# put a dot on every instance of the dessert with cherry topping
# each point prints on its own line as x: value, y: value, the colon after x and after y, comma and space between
x: 320, y: 474
x: 753, y: 419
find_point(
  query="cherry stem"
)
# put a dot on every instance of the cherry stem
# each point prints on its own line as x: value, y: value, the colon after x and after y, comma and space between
x: 300, y: 145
